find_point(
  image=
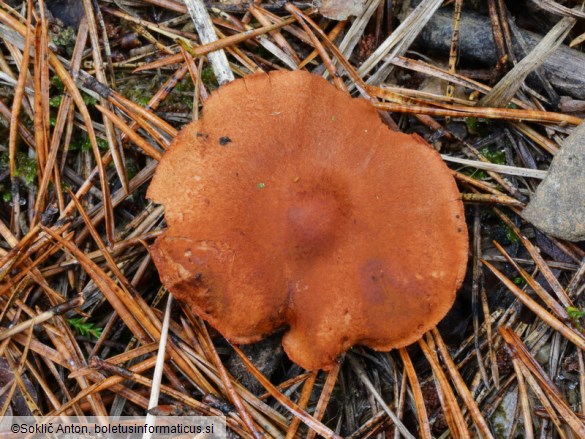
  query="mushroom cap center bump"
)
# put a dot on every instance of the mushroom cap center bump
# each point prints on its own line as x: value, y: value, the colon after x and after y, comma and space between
x: 314, y: 216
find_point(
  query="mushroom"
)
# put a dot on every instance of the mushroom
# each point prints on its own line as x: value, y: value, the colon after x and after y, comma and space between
x: 290, y: 204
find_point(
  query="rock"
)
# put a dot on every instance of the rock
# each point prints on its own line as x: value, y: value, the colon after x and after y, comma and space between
x: 565, y: 68
x: 70, y: 12
x: 558, y: 206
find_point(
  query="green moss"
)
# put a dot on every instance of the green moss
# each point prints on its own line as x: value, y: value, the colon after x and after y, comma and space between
x: 519, y: 281
x: 477, y: 126
x: 102, y: 144
x: 26, y: 168
x: 131, y: 168
x: 208, y: 78
x: 82, y: 143
x: 55, y: 101
x: 89, y: 100
x: 6, y: 196
x: 476, y: 173
x: 140, y: 90
x: 65, y: 37
x: 65, y: 186
x: 57, y: 84
x: 84, y: 328
x: 575, y: 314
x: 183, y: 93
x: 510, y: 235
x: 497, y: 156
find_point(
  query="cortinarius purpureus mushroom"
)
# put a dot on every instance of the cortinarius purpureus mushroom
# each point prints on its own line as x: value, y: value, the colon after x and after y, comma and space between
x: 290, y: 204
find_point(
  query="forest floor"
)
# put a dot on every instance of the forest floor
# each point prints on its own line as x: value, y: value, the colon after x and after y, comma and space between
x: 91, y: 95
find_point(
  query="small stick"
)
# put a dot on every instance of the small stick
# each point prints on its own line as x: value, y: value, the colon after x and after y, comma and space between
x: 524, y: 401
x: 158, y: 367
x: 225, y: 42
x: 502, y: 169
x: 204, y: 26
x: 491, y: 199
x: 47, y: 315
x: 303, y: 401
x: 290, y: 406
x: 325, y: 396
x: 361, y: 373
x: 421, y: 410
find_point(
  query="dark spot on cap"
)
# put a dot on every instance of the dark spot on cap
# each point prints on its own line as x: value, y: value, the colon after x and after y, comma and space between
x: 223, y: 141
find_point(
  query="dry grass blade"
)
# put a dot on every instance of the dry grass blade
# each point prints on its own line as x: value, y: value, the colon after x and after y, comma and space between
x: 43, y: 317
x: 303, y: 401
x: 325, y: 396
x: 41, y: 87
x: 543, y: 141
x: 504, y: 90
x: 582, y: 381
x: 552, y: 392
x: 536, y: 287
x: 43, y: 350
x: 421, y: 411
x: 332, y: 36
x: 303, y: 19
x: 399, y: 41
x: 538, y: 259
x: 454, y: 50
x: 222, y: 43
x: 126, y: 104
x: 112, y: 292
x: 461, y: 387
x: 577, y: 41
x: 309, y: 421
x: 230, y: 390
x: 159, y: 366
x: 477, y: 282
x: 490, y: 340
x: 488, y: 113
x: 498, y: 33
x: 491, y: 199
x: 575, y: 337
x: 131, y: 134
x: 115, y: 148
x: 558, y: 9
x: 276, y: 35
x: 501, y: 169
x: 361, y: 373
x: 453, y: 414
x: 524, y: 401
x: 16, y: 106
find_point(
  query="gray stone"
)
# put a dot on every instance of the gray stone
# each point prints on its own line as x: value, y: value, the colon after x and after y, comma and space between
x: 558, y: 206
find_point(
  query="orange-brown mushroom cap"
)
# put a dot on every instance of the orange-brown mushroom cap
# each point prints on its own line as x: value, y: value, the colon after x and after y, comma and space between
x: 290, y: 204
